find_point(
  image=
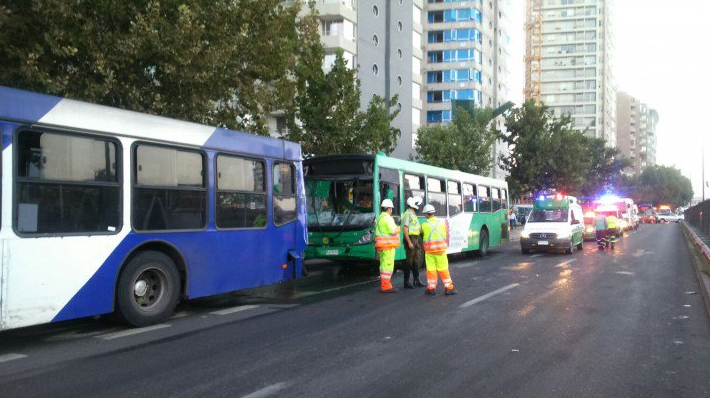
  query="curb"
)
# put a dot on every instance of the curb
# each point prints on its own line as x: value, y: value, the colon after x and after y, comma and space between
x: 703, y: 279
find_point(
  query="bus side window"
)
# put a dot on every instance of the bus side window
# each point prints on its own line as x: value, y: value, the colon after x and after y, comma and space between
x: 469, y: 198
x: 390, y: 191
x: 484, y: 198
x: 504, y: 198
x: 66, y: 184
x: 169, y: 191
x: 284, y: 193
x: 241, y: 192
x: 496, y: 202
x: 436, y: 196
x: 454, y: 196
x: 413, y: 186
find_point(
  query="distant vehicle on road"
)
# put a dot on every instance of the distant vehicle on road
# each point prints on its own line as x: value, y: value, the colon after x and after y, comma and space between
x: 110, y: 210
x: 666, y: 215
x: 589, y: 228
x: 555, y: 223
x: 521, y: 212
x: 344, y: 193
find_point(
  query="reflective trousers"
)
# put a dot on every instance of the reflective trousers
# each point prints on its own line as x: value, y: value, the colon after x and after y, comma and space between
x: 437, y: 263
x: 386, y: 268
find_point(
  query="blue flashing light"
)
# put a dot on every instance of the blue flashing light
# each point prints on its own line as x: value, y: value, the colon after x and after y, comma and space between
x: 541, y: 197
x: 608, y: 199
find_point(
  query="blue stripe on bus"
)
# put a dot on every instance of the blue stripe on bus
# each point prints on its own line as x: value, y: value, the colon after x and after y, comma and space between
x: 24, y: 105
x: 264, y: 146
x: 217, y: 262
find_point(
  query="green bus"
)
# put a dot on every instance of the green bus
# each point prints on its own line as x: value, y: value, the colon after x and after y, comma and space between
x: 343, y: 193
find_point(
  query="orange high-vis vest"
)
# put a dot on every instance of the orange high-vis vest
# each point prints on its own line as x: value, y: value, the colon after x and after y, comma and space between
x: 385, y: 237
x: 434, y: 237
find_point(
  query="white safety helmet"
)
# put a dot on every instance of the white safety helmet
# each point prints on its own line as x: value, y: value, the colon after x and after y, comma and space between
x: 411, y: 202
x: 387, y: 203
x: 418, y: 200
x: 429, y: 209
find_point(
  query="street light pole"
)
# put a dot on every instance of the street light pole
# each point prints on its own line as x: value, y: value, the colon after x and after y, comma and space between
x: 702, y: 151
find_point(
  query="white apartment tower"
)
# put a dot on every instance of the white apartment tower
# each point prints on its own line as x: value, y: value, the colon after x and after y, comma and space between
x: 466, y: 57
x: 574, y: 61
x: 636, y: 132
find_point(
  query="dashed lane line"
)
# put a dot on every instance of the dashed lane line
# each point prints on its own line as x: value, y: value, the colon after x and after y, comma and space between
x: 131, y: 332
x: 11, y: 357
x: 267, y: 391
x: 313, y: 293
x: 565, y: 263
x: 488, y: 295
x: 232, y: 310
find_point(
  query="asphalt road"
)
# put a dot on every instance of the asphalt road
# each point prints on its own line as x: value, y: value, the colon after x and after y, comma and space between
x: 627, y: 323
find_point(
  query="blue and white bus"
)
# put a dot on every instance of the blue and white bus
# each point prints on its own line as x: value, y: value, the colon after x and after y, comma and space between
x: 107, y: 210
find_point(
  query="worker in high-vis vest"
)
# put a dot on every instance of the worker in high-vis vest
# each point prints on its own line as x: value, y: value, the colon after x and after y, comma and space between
x: 386, y: 241
x: 611, y: 222
x: 434, y: 234
x: 412, y: 232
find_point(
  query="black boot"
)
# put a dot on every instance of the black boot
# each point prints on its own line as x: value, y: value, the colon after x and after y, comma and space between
x: 408, y: 285
x: 418, y: 283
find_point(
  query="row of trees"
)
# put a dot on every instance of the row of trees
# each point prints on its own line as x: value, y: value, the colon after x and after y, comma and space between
x: 543, y: 150
x: 659, y: 185
x: 218, y: 62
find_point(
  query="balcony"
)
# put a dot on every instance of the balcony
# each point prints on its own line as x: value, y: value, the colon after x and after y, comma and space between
x: 333, y: 9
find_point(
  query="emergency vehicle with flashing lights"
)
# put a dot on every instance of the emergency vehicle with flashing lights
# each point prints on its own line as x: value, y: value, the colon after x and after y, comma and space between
x: 627, y: 214
x: 556, y: 222
x: 589, y: 228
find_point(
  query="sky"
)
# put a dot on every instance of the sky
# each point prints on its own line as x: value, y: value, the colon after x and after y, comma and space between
x: 661, y: 57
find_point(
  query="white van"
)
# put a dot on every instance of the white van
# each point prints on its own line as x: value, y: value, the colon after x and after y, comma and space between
x: 556, y: 222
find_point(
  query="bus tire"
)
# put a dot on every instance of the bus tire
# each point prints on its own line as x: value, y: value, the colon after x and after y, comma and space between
x: 483, y: 243
x: 148, y: 289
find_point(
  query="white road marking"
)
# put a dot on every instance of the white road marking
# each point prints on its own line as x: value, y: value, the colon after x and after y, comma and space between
x: 640, y: 252
x: 180, y: 314
x: 131, y: 332
x: 536, y: 255
x: 566, y: 263
x: 488, y: 295
x: 267, y: 391
x: 624, y: 272
x: 311, y: 293
x: 11, y: 357
x: 232, y: 310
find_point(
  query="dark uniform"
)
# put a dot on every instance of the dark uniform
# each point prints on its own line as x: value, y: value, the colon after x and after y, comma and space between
x: 413, y: 261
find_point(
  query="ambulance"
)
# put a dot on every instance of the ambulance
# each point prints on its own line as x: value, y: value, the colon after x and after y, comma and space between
x: 556, y: 222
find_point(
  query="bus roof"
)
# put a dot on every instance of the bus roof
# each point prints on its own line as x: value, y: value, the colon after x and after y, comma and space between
x: 355, y: 163
x: 29, y: 107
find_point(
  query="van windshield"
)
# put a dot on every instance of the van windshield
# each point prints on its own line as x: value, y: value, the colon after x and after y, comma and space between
x: 558, y: 215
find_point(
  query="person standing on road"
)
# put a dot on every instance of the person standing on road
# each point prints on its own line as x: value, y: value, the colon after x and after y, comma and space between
x: 434, y: 232
x: 611, y: 222
x: 413, y: 240
x: 511, y: 218
x: 600, y: 229
x: 386, y: 241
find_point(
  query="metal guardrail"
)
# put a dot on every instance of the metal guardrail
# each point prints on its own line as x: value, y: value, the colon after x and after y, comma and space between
x: 699, y: 217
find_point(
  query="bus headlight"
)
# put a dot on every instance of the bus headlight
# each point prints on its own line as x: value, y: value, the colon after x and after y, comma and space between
x: 366, y: 238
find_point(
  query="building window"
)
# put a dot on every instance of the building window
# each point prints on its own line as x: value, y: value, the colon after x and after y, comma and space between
x: 375, y: 40
x: 399, y: 25
x: 66, y: 184
x: 169, y: 191
x: 375, y: 69
x: 375, y: 10
x: 399, y: 53
x: 399, y: 81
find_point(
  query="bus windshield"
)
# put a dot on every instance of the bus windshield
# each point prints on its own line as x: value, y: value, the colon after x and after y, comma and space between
x: 340, y: 203
x: 558, y: 215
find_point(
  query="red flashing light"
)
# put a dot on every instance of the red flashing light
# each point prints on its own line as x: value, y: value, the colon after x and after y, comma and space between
x: 558, y: 196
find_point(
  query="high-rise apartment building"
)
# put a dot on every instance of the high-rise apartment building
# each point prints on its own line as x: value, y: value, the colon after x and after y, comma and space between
x: 466, y: 57
x: 636, y: 132
x: 383, y: 38
x: 570, y: 64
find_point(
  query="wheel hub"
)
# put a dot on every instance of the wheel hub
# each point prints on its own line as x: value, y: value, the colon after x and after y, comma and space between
x: 140, y: 288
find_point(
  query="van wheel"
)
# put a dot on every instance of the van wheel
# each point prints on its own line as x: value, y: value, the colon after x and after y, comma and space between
x: 568, y: 250
x: 580, y: 245
x: 483, y: 243
x: 148, y: 289
x: 524, y: 250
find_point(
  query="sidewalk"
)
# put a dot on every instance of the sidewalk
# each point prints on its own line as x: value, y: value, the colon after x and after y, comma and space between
x: 698, y: 239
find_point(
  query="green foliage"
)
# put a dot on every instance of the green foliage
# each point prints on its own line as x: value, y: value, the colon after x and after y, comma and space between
x: 326, y: 119
x: 661, y: 185
x: 544, y: 152
x: 220, y: 62
x: 464, y: 144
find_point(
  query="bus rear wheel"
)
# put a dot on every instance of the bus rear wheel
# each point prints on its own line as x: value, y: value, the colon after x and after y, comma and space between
x: 148, y: 289
x: 483, y: 243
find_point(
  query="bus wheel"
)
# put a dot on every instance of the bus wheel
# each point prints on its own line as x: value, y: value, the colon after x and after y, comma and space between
x: 148, y: 289
x: 483, y: 243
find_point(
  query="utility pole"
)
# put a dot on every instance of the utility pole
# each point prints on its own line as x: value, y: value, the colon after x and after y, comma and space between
x: 702, y: 151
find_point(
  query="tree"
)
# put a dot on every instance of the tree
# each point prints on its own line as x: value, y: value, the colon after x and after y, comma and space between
x: 327, y: 118
x: 544, y: 152
x: 464, y: 144
x: 661, y: 184
x: 220, y: 62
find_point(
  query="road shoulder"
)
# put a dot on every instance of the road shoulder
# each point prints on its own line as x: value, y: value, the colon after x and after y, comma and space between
x: 700, y: 254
